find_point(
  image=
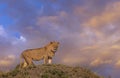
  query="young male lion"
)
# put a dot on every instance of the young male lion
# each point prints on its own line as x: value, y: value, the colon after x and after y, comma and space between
x: 46, y: 53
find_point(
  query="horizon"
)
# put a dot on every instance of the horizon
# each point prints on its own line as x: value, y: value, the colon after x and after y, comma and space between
x: 88, y: 32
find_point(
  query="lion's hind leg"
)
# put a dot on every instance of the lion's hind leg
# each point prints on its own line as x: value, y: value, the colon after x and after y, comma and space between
x: 28, y: 61
x: 24, y: 64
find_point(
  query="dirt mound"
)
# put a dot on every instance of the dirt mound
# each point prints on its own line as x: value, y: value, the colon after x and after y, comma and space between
x: 50, y: 71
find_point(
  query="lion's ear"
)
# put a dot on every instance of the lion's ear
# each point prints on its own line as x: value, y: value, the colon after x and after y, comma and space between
x: 51, y: 42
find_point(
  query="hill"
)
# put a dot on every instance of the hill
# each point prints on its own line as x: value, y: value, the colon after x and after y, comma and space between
x: 50, y: 71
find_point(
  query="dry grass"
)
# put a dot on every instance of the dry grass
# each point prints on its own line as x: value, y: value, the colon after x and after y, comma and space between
x: 50, y: 71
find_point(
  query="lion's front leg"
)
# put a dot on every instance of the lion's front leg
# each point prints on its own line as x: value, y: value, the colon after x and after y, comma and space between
x: 50, y: 60
x: 45, y: 60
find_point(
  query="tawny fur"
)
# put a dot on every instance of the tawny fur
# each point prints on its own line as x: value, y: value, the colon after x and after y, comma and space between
x: 46, y: 53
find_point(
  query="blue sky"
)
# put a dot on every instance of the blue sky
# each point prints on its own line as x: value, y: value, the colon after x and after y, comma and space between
x: 88, y: 31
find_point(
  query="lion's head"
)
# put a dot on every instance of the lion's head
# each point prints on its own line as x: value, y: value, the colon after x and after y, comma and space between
x: 53, y: 46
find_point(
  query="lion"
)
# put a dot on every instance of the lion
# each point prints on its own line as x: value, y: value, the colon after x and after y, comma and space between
x: 46, y: 53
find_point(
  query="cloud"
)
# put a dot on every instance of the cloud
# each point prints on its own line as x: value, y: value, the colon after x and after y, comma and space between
x: 117, y: 64
x: 88, y: 31
x: 58, y: 26
x: 19, y: 40
x: 73, y: 59
x: 10, y: 39
x: 79, y: 11
x: 22, y: 38
x: 7, y: 61
x: 9, y: 44
x: 109, y: 15
x: 53, y: 20
x: 117, y: 47
x: 99, y: 61
x: 2, y: 31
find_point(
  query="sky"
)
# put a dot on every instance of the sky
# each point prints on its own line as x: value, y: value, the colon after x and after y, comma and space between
x: 88, y: 32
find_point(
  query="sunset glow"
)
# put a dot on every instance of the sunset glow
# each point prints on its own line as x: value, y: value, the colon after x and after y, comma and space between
x: 88, y: 32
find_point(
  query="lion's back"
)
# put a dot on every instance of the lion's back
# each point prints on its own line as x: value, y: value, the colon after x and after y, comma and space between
x: 35, y: 53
